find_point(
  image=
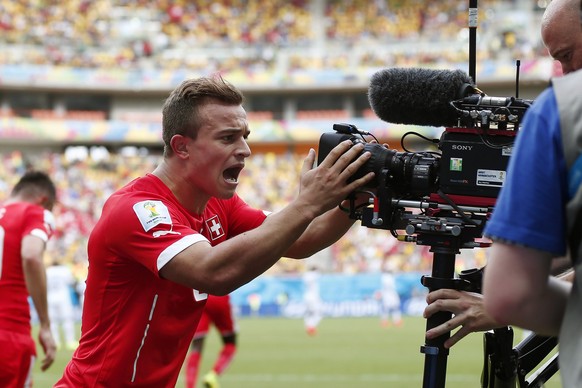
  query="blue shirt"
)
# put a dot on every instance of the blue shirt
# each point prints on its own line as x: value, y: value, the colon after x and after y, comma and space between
x: 530, y: 209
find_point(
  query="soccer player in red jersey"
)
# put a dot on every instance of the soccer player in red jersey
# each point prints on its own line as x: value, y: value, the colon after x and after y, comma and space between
x: 168, y: 239
x: 218, y: 312
x: 26, y: 224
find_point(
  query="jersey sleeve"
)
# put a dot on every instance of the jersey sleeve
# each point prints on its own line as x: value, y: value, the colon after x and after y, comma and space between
x: 149, y: 231
x: 39, y: 222
x: 530, y: 210
x: 243, y: 217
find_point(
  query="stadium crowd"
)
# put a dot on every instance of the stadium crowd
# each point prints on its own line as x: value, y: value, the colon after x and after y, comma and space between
x: 226, y: 34
x: 294, y: 34
x: 84, y: 182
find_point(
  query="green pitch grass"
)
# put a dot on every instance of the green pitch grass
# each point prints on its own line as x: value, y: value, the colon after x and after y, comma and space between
x: 345, y: 353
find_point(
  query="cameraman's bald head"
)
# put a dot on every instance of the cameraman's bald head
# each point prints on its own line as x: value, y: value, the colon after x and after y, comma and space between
x: 562, y: 33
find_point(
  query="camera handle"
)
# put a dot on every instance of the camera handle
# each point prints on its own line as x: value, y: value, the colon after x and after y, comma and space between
x: 442, y: 276
x: 507, y: 367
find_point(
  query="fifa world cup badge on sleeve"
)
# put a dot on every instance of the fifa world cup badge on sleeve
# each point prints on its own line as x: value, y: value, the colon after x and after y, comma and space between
x: 152, y: 213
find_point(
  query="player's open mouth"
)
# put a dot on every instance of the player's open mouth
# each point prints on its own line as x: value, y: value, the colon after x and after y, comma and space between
x: 231, y: 174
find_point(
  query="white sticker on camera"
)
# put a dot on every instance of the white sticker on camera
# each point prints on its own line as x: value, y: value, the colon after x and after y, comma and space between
x: 492, y: 178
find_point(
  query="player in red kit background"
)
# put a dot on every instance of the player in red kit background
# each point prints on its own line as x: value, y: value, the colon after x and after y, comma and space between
x: 218, y: 312
x: 26, y: 225
x: 169, y: 238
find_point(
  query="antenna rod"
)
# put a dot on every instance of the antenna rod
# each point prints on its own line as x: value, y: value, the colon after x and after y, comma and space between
x: 517, y: 64
x: 473, y: 39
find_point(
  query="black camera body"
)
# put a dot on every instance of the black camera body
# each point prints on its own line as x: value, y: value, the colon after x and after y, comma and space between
x: 467, y: 172
x: 472, y: 164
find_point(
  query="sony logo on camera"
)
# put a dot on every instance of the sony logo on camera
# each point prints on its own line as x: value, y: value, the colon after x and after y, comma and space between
x: 461, y: 147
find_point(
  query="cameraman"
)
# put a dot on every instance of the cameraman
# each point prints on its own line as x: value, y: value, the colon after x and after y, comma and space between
x: 562, y: 35
x: 543, y: 185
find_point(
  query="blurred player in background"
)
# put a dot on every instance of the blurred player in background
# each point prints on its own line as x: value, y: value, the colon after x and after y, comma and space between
x: 313, y: 306
x: 220, y: 313
x: 26, y: 224
x: 171, y: 237
x: 60, y: 283
x: 390, y: 309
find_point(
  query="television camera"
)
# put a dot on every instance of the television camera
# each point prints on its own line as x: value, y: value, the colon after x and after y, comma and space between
x: 460, y: 180
x: 443, y: 197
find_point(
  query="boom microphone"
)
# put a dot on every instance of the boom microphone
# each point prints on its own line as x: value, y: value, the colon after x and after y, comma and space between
x: 418, y: 96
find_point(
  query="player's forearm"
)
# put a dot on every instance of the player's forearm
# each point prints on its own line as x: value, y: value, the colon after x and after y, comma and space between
x: 35, y: 277
x: 220, y: 269
x: 321, y: 233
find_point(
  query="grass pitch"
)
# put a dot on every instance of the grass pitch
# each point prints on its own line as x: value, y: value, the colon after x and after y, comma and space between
x: 345, y: 353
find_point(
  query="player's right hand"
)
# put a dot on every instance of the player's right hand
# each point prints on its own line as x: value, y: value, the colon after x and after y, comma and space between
x: 324, y: 187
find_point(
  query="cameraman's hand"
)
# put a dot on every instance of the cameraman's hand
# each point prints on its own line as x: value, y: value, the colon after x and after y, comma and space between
x: 324, y: 187
x: 468, y: 314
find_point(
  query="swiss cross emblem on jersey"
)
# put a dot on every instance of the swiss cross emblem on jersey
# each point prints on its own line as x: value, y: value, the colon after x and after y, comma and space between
x: 214, y: 227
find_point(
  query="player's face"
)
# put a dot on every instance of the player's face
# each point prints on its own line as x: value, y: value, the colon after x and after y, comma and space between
x: 218, y: 154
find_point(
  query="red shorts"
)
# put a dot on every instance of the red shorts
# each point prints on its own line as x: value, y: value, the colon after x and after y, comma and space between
x: 16, y: 359
x: 218, y: 311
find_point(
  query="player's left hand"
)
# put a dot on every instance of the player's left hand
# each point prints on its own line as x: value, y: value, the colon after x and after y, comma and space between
x: 49, y: 347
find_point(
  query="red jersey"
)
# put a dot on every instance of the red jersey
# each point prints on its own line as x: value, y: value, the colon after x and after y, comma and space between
x: 17, y: 220
x: 136, y: 326
x: 219, y: 312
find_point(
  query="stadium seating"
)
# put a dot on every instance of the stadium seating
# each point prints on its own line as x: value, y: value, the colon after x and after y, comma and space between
x: 204, y: 33
x: 296, y: 43
x: 319, y: 114
x: 259, y: 115
x: 83, y: 115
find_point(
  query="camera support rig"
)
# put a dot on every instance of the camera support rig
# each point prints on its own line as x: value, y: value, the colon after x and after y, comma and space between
x: 446, y: 229
x: 446, y: 236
